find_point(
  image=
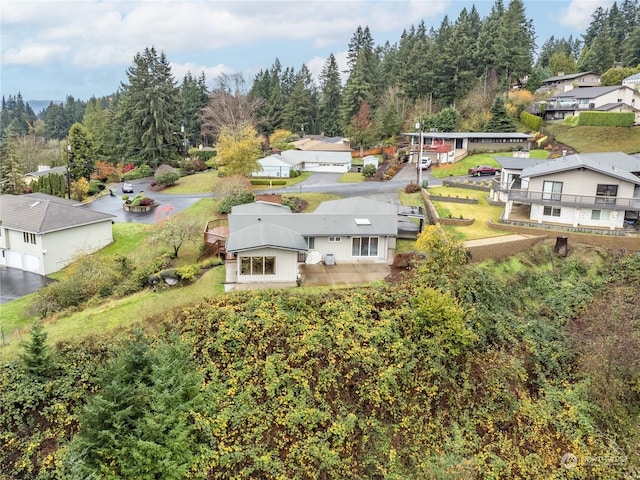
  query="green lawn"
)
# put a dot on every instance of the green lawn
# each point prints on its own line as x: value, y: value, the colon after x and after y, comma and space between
x: 463, y: 166
x: 482, y: 212
x: 597, y: 139
x: 205, y: 182
x: 351, y: 177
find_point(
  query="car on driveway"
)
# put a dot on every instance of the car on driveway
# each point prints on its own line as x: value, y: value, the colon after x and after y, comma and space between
x: 425, y: 163
x: 483, y: 170
x: 127, y: 188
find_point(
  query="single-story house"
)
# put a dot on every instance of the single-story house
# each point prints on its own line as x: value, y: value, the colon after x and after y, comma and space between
x: 616, y: 98
x: 449, y: 147
x: 632, y: 81
x: 43, y: 170
x: 267, y: 242
x: 42, y: 234
x: 588, y: 190
x: 307, y: 161
x: 562, y: 82
x: 320, y: 143
x: 275, y: 166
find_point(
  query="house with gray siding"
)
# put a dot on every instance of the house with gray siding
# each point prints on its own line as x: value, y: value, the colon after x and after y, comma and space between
x: 267, y: 241
x: 42, y: 234
x: 587, y: 190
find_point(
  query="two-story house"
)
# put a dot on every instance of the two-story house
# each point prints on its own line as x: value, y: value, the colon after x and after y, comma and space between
x: 562, y: 82
x: 616, y: 98
x: 42, y: 234
x: 588, y: 190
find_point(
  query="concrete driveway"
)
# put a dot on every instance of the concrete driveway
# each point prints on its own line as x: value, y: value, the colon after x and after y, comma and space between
x: 15, y: 283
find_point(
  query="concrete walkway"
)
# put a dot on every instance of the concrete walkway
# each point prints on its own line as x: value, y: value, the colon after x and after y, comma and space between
x: 342, y: 274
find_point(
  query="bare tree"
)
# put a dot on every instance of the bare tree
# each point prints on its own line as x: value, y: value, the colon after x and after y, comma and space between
x: 229, y: 106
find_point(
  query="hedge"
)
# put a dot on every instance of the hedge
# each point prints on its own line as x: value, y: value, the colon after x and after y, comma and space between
x: 266, y: 181
x: 606, y: 119
x: 534, y: 122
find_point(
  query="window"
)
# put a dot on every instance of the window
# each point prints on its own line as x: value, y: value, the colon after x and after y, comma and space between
x: 311, y: 242
x: 257, y: 265
x: 364, y: 247
x: 552, y: 190
x: 335, y: 239
x: 600, y: 215
x: 29, y: 237
x: 551, y: 211
x: 606, y: 194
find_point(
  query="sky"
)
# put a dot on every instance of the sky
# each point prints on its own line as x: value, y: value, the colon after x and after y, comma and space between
x: 51, y: 49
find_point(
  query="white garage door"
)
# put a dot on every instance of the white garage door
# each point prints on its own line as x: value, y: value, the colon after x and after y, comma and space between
x: 14, y: 259
x: 31, y: 263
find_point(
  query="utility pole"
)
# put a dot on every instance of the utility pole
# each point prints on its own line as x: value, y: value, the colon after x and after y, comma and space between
x: 68, y: 171
x: 419, y: 164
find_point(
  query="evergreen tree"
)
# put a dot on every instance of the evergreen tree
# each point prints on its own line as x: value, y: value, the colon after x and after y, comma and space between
x: 330, y: 97
x: 82, y: 154
x: 193, y: 98
x: 487, y: 39
x: 356, y: 91
x: 500, y: 121
x: 11, y: 168
x: 299, y: 112
x: 57, y: 121
x: 150, y: 107
x: 562, y: 62
x: 36, y: 357
x: 96, y: 123
x: 515, y: 43
x: 631, y: 49
x: 140, y: 424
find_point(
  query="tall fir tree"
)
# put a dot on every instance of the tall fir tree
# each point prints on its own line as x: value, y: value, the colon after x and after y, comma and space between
x: 193, y: 98
x: 299, y: 112
x: 330, y: 98
x: 82, y: 153
x: 150, y: 108
x: 11, y: 168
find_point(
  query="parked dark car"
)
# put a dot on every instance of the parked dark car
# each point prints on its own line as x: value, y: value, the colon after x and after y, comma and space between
x: 483, y: 170
x: 127, y: 188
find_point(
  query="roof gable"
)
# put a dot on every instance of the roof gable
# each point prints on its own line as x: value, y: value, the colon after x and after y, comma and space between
x: 614, y: 164
x: 38, y: 214
x: 265, y: 234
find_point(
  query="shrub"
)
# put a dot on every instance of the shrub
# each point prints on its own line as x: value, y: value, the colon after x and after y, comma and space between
x: 412, y: 188
x: 189, y: 273
x: 267, y: 181
x: 369, y: 171
x: 167, y: 178
x: 240, y: 199
x: 142, y: 171
x: 146, y: 201
x: 96, y: 186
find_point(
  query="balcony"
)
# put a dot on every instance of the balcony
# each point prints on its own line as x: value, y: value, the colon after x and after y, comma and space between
x: 568, y: 200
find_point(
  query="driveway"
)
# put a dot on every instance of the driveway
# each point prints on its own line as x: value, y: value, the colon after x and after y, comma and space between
x: 15, y: 283
x: 113, y: 204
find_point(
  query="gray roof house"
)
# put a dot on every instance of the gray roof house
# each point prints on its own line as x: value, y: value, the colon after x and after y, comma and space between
x: 450, y: 147
x: 267, y: 242
x: 616, y: 98
x: 43, y: 170
x: 632, y: 81
x: 43, y: 234
x: 304, y: 160
x: 593, y: 191
x: 564, y: 82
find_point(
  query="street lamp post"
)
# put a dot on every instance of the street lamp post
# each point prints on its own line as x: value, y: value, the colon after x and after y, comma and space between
x: 69, y: 171
x: 419, y: 127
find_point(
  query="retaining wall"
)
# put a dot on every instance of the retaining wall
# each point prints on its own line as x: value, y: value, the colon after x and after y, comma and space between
x: 629, y: 242
x: 499, y: 250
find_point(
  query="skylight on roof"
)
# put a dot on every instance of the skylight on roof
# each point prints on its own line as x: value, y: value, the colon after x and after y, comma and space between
x: 362, y: 221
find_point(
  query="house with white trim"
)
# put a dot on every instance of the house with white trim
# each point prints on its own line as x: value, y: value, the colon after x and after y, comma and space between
x: 587, y: 190
x: 632, y: 81
x: 563, y: 83
x: 450, y: 147
x: 267, y: 242
x: 304, y: 160
x: 42, y: 234
x: 616, y: 98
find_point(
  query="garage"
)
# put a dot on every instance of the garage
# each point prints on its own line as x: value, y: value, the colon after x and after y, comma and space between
x: 31, y: 263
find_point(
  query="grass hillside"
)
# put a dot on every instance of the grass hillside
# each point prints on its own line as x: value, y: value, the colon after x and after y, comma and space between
x: 597, y: 139
x: 457, y: 372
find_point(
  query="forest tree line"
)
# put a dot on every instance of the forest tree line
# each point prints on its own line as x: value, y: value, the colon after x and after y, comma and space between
x: 462, y: 64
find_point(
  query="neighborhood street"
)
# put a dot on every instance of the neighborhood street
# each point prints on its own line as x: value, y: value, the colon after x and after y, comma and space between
x: 316, y: 183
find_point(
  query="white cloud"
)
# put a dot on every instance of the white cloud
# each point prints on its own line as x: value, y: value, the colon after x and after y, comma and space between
x: 179, y: 71
x: 110, y: 32
x: 577, y: 15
